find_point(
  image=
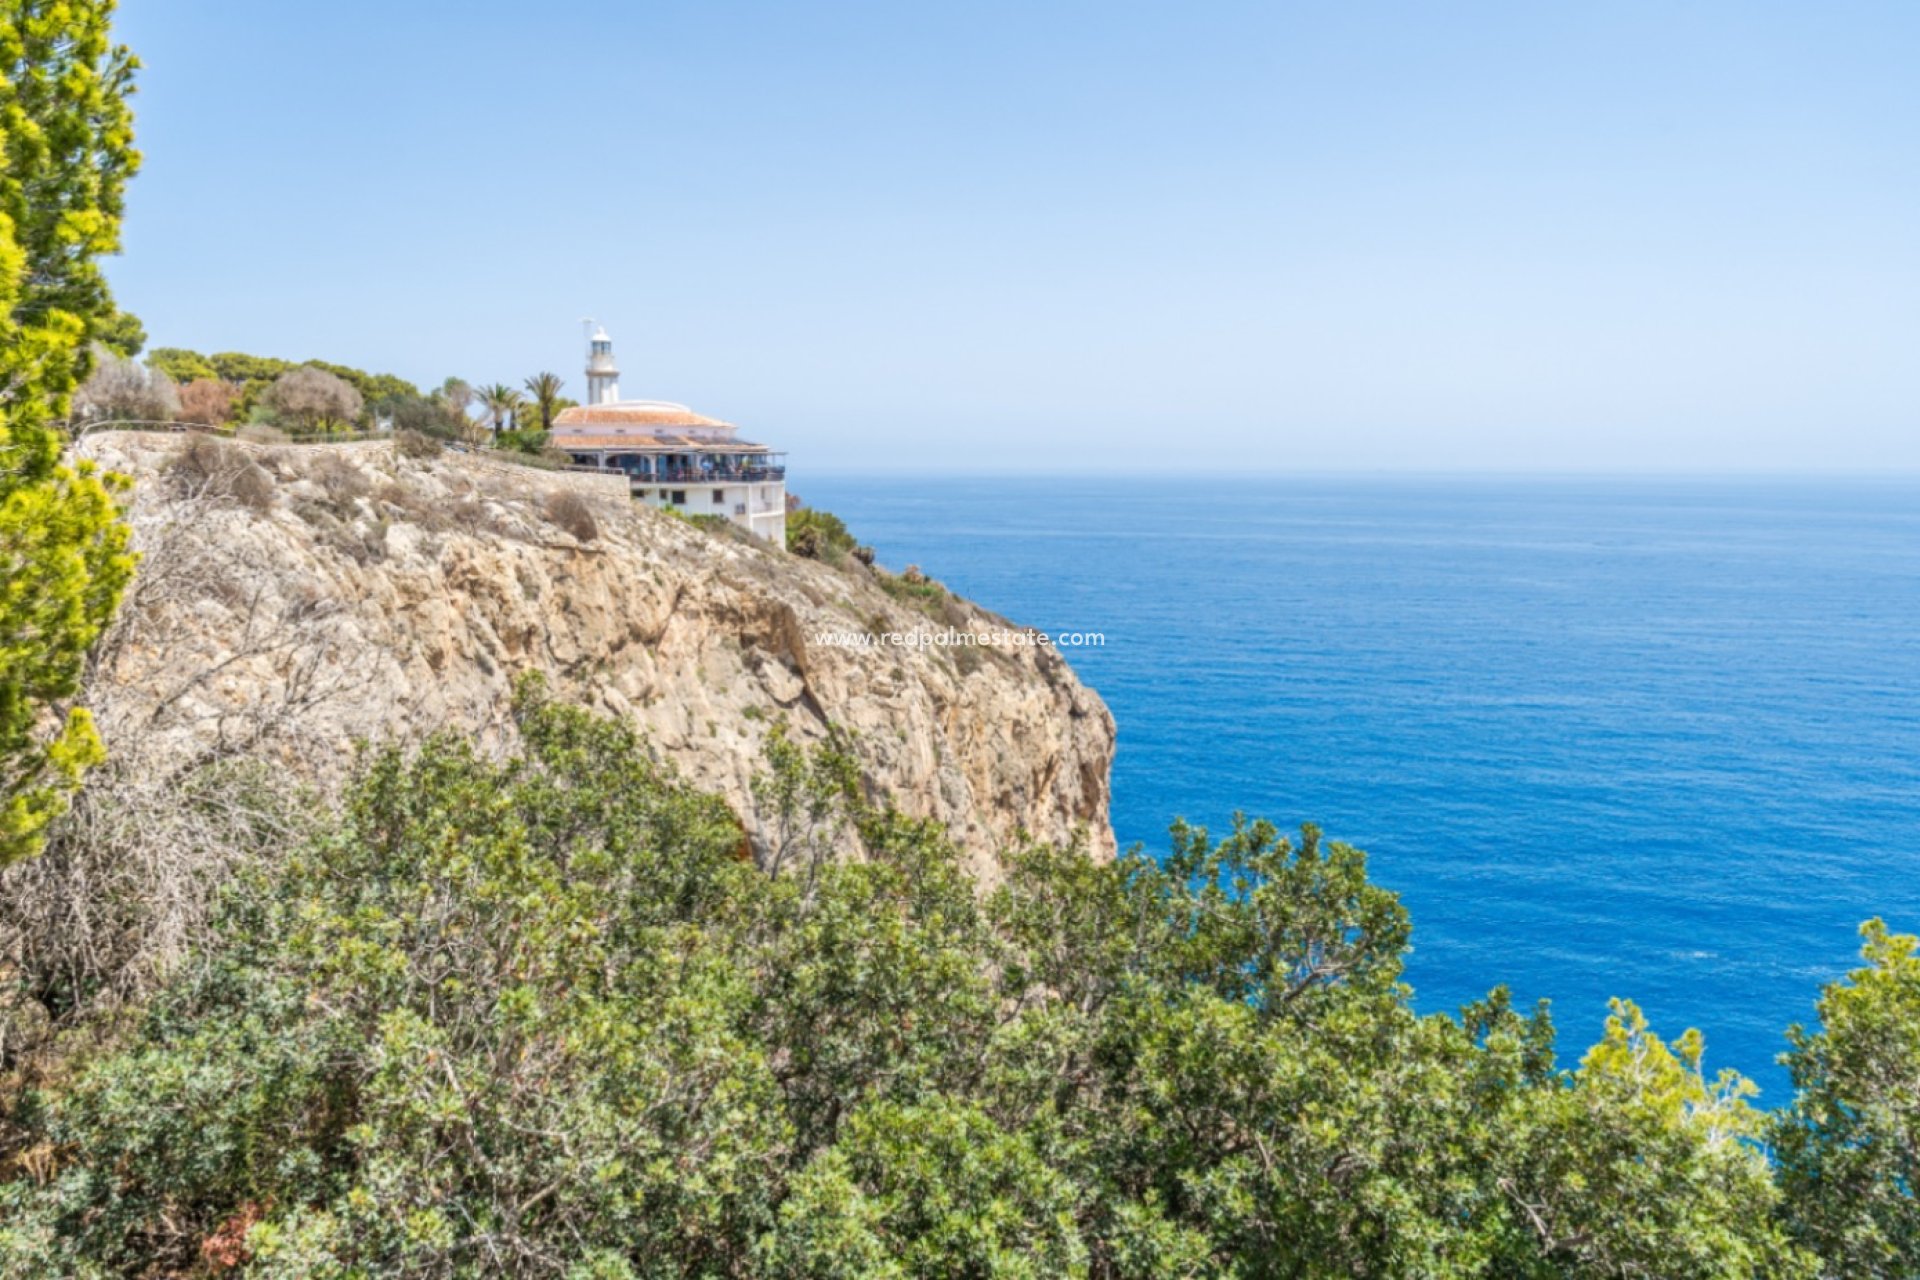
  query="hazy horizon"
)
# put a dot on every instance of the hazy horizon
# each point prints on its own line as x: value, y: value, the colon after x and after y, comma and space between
x: 1732, y: 474
x: 1120, y: 239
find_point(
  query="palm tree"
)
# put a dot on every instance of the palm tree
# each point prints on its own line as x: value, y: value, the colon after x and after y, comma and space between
x: 545, y: 390
x: 501, y: 402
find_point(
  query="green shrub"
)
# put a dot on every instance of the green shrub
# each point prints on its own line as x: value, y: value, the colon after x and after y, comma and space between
x: 486, y: 981
x: 559, y: 1015
x: 422, y: 417
x: 1848, y: 1147
x: 914, y: 588
x: 819, y: 535
x: 522, y: 441
x: 931, y: 1190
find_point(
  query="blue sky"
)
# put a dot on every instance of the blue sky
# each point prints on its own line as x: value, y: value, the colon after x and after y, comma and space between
x: 1048, y: 237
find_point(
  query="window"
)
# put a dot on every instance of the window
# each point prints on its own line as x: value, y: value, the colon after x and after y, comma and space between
x: 719, y: 497
x: 680, y: 497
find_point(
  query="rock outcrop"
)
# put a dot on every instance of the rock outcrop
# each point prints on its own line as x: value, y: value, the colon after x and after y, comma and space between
x: 293, y: 600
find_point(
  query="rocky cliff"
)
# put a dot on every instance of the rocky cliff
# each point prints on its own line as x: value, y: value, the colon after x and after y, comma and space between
x: 295, y: 599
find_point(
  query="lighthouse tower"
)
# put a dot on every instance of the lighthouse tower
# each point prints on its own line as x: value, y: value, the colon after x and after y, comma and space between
x: 671, y: 456
x: 603, y: 376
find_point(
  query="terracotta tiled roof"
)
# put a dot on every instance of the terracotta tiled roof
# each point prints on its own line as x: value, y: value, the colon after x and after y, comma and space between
x: 643, y: 443
x: 635, y: 413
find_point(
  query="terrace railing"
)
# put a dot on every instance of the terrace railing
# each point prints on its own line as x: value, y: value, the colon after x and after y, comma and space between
x: 682, y: 475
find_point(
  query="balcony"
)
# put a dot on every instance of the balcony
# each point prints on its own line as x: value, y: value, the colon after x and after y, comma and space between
x: 701, y: 475
x: 686, y: 469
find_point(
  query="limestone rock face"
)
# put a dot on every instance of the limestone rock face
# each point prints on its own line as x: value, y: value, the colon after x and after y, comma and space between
x: 293, y: 600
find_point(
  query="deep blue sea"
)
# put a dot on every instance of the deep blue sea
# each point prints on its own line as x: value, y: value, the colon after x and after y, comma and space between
x: 1648, y: 738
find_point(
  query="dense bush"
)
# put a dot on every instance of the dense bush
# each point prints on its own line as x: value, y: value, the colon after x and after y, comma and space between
x: 911, y: 586
x: 311, y: 399
x: 251, y: 378
x: 207, y: 402
x: 122, y: 890
x: 1849, y: 1146
x: 121, y: 389
x: 523, y: 440
x: 550, y: 1016
x: 819, y: 535
x: 427, y: 416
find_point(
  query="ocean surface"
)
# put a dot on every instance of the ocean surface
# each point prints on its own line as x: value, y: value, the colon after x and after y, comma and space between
x: 1647, y: 738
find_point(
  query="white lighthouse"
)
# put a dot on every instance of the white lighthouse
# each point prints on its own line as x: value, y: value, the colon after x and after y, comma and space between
x: 603, y: 376
x: 672, y: 456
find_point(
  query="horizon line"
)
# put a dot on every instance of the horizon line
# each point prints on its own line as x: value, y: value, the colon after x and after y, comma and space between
x: 1883, y: 475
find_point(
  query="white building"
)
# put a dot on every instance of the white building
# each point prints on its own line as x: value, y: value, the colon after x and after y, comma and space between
x: 672, y: 456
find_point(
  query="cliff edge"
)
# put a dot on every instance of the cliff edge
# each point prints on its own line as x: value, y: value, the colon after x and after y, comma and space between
x: 293, y: 600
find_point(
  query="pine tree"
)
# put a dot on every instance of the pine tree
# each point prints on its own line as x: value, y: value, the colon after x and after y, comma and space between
x: 66, y: 144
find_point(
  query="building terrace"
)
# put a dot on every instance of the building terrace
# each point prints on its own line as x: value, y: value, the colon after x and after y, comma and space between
x: 672, y: 456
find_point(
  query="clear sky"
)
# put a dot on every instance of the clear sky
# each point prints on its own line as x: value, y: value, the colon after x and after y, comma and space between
x: 1048, y: 236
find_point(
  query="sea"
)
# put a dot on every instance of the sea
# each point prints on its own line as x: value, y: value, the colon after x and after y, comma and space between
x: 1648, y: 738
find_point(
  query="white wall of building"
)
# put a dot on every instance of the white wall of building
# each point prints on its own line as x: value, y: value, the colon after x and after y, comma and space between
x: 759, y: 507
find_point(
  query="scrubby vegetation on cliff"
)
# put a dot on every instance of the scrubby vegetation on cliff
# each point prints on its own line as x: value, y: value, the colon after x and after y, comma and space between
x: 553, y: 1012
x: 553, y: 1015
x: 821, y: 535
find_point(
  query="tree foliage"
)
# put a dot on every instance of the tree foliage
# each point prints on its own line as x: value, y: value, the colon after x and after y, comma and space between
x: 208, y: 402
x: 544, y: 389
x: 312, y: 399
x: 423, y: 415
x: 122, y: 389
x: 1849, y: 1147
x: 554, y: 1015
x: 67, y: 139
x: 182, y: 365
x: 253, y: 377
x: 371, y: 387
x: 121, y: 333
x: 501, y: 403
x: 68, y: 136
